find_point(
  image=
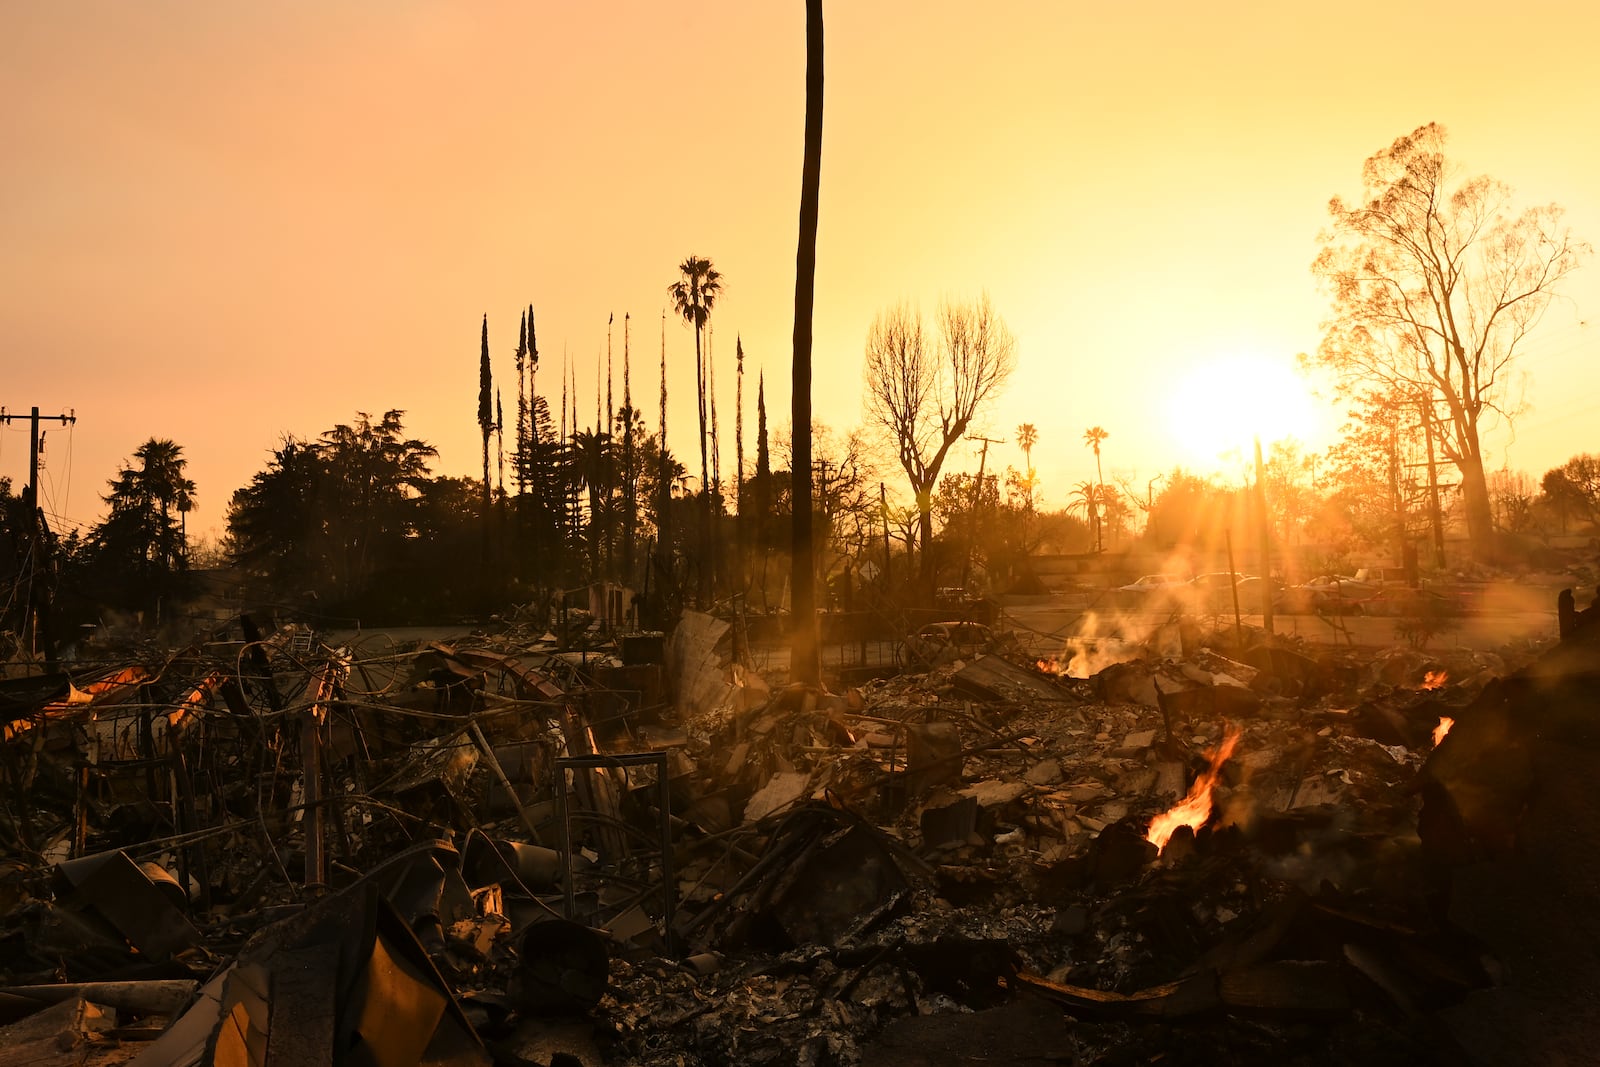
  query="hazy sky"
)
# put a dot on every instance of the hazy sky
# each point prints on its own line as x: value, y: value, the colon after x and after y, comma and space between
x: 224, y: 222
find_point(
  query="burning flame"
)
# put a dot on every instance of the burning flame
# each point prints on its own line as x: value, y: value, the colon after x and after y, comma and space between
x: 1445, y: 722
x: 1195, y: 809
x: 1097, y: 645
x: 1435, y: 680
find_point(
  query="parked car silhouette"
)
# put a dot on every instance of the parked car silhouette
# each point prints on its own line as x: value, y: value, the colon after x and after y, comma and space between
x: 1339, y: 594
x: 1250, y: 593
x: 944, y: 642
x: 1383, y: 577
x: 1155, y: 592
x: 1213, y: 592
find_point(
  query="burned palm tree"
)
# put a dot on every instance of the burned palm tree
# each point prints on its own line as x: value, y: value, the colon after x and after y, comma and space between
x: 1085, y: 500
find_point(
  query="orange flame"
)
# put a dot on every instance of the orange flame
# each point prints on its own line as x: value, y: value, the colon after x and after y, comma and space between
x: 1445, y: 722
x: 1435, y: 679
x: 1096, y: 646
x: 1193, y: 810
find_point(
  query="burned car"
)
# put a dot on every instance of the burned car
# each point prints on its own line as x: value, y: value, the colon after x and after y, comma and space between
x: 945, y: 642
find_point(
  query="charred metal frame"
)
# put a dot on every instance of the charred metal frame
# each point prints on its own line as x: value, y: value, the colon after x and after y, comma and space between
x: 621, y: 761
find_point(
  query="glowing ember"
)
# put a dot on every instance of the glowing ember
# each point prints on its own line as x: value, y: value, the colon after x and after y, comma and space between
x: 1445, y: 722
x: 1195, y: 809
x: 1435, y: 679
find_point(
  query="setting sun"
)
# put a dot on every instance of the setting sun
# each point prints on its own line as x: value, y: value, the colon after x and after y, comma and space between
x: 1033, y: 531
x: 1215, y: 411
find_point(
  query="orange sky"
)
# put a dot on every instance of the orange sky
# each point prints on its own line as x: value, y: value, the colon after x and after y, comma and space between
x: 226, y: 222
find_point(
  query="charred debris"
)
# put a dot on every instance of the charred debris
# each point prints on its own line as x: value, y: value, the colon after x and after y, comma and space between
x: 525, y: 848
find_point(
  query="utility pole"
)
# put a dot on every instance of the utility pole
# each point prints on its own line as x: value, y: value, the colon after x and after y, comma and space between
x: 1266, y: 543
x: 1233, y: 585
x: 888, y: 554
x: 821, y: 501
x: 977, y: 495
x: 1150, y: 503
x: 36, y: 530
x: 819, y: 509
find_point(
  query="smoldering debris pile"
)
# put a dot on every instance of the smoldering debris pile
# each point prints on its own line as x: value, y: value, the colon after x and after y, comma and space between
x: 265, y: 850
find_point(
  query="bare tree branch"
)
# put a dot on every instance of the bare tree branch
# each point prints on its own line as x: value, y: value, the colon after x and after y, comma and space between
x: 923, y: 403
x: 1435, y: 287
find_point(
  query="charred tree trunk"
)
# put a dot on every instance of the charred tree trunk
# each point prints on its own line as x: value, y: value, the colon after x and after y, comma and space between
x: 925, y: 540
x: 1475, y: 501
x: 804, y: 665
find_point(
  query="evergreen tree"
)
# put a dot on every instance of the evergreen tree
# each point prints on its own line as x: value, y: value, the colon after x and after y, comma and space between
x: 592, y: 453
x: 664, y: 476
x: 763, y: 453
x: 355, y: 520
x: 761, y: 485
x: 275, y: 534
x: 139, y: 549
x: 741, y: 524
x: 546, y: 527
x: 528, y: 428
x: 611, y: 413
x: 533, y: 368
x: 374, y: 474
x: 485, y: 417
x: 520, y: 441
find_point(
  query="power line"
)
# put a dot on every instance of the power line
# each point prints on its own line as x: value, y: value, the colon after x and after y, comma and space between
x: 36, y: 619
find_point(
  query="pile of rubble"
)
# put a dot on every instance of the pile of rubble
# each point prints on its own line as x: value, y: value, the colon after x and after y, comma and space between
x: 264, y: 850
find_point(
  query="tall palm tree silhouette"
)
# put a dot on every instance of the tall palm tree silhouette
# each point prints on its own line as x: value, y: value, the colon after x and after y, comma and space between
x: 1092, y: 437
x: 694, y: 294
x: 1027, y: 437
x: 161, y: 480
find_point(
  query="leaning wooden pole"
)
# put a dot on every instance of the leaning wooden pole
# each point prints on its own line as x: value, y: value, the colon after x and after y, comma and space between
x: 320, y: 691
x: 804, y: 665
